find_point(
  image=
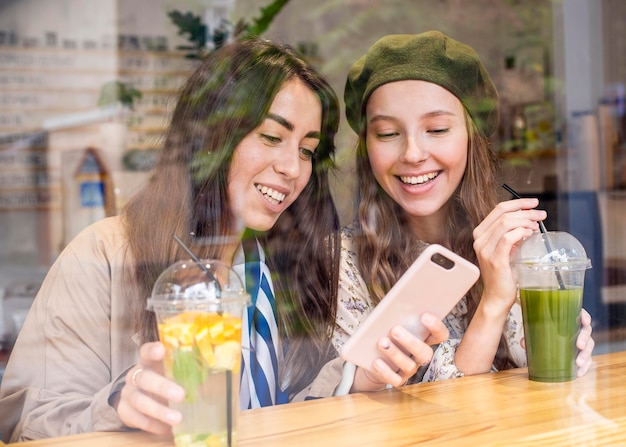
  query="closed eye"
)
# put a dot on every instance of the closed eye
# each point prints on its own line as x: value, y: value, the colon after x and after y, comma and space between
x: 386, y: 135
x: 439, y: 131
x: 271, y: 139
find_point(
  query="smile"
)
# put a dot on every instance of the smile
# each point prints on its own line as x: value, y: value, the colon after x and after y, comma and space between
x: 420, y: 179
x: 271, y: 195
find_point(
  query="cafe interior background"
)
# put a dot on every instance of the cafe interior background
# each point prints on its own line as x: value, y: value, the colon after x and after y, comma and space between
x: 86, y: 89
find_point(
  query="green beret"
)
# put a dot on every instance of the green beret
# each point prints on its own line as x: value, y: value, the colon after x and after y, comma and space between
x: 430, y: 56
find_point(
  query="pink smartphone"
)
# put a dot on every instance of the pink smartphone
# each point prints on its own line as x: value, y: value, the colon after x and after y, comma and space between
x: 434, y: 283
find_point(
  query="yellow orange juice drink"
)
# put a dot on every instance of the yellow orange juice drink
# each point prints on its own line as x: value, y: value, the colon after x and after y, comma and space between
x: 200, y: 326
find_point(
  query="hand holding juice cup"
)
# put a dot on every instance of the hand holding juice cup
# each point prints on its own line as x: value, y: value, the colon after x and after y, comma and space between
x: 550, y: 269
x: 199, y: 308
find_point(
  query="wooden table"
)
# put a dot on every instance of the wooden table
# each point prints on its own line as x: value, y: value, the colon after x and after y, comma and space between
x: 499, y: 409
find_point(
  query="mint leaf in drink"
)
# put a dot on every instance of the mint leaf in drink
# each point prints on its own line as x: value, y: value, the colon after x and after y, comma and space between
x: 189, y: 371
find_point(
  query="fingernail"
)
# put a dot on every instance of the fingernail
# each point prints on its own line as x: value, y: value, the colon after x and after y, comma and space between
x: 385, y: 344
x: 156, y: 351
x: 173, y: 416
x: 396, y: 333
x: 428, y: 319
x: 176, y: 394
x: 378, y: 365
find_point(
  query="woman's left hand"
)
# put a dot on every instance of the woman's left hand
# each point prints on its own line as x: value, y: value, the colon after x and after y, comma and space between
x: 585, y: 344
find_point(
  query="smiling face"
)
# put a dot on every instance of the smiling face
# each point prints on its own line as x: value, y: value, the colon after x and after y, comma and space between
x: 417, y: 146
x: 273, y: 163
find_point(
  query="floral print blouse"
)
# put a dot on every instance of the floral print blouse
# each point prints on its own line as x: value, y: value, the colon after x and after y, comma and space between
x: 354, y: 305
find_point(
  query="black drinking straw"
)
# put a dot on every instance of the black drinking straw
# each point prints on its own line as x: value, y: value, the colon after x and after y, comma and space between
x: 542, y: 228
x: 218, y: 288
x: 229, y: 406
x: 229, y: 375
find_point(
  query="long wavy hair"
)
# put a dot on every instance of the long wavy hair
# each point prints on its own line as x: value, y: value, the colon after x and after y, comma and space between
x: 226, y: 98
x: 386, y: 245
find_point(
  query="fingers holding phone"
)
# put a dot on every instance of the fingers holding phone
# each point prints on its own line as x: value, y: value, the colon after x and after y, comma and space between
x: 401, y: 355
x: 418, y: 302
x: 394, y: 366
x: 406, y: 351
x: 390, y: 345
x: 438, y: 332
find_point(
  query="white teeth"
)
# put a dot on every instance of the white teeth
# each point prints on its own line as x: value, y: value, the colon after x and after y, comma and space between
x: 419, y: 179
x: 273, y: 196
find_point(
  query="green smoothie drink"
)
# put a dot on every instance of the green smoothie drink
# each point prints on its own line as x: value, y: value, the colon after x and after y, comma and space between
x: 550, y: 269
x: 551, y: 326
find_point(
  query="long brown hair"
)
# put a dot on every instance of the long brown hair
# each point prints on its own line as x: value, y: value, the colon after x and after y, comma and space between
x: 226, y: 98
x: 386, y: 246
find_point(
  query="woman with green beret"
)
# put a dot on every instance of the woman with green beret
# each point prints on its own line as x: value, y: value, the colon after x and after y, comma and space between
x: 424, y: 107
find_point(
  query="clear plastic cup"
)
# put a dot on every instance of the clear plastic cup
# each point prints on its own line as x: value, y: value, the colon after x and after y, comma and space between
x: 199, y: 309
x: 550, y: 269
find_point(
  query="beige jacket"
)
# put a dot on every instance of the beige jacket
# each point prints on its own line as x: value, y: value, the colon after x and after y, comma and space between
x: 77, y: 344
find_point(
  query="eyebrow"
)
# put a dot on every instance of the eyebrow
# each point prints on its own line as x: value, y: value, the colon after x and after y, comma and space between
x: 432, y: 114
x: 289, y: 126
x: 438, y: 113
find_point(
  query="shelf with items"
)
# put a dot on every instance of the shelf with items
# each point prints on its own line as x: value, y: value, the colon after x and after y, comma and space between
x: 47, y: 99
x: 29, y: 72
x: 63, y: 85
x: 57, y: 60
x: 137, y: 61
x: 26, y: 182
x: 528, y: 154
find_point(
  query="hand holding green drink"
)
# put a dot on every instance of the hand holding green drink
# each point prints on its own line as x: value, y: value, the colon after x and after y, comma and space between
x: 550, y: 268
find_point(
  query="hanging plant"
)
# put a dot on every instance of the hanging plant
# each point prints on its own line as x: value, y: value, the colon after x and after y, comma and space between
x: 116, y: 92
x: 197, y: 33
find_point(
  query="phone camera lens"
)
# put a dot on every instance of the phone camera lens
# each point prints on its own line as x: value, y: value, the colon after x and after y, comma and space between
x: 442, y: 261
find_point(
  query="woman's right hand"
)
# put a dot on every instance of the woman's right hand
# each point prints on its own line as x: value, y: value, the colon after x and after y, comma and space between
x: 144, y: 397
x: 405, y: 354
x: 496, y: 240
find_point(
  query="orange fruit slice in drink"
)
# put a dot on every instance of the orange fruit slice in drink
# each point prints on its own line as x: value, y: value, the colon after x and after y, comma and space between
x: 232, y: 328
x: 228, y: 355
x: 218, y: 337
x: 205, y: 345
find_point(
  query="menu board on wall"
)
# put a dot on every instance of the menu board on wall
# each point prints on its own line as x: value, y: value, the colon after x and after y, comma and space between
x: 25, y: 182
x: 50, y: 82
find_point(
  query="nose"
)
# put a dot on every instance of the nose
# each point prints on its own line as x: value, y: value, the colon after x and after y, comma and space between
x: 288, y: 163
x: 414, y: 151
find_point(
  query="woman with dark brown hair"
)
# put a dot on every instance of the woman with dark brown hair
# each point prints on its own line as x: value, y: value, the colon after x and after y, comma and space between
x: 246, y: 158
x: 424, y: 107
